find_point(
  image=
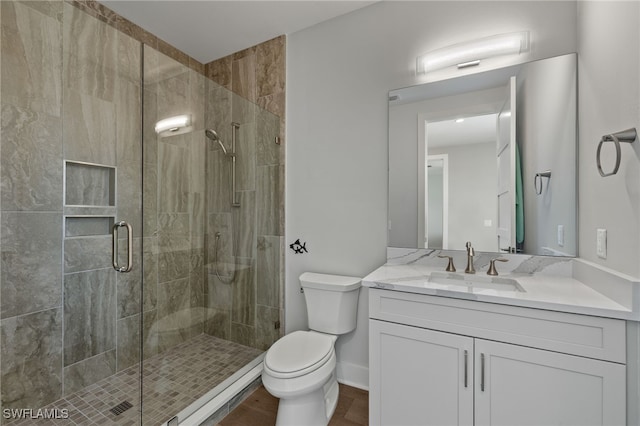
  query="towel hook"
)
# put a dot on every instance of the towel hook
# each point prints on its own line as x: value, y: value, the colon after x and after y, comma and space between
x: 538, y: 178
x: 628, y: 136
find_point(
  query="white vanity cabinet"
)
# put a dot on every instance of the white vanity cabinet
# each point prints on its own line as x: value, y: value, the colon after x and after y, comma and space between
x: 441, y: 361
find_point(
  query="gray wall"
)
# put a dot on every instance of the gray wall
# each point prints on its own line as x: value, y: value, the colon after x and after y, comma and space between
x: 609, y: 102
x: 339, y: 73
x: 406, y: 189
x: 547, y: 133
x: 472, y: 193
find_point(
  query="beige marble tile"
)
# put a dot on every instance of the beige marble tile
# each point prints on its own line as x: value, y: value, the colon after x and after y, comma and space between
x: 136, y: 32
x: 243, y: 75
x: 173, y: 178
x: 31, y: 253
x: 129, y: 284
x: 243, y: 227
x: 89, y: 314
x: 246, y: 157
x: 271, y: 66
x: 90, y: 51
x: 173, y: 52
x: 86, y: 253
x: 269, y: 275
x: 128, y: 194
x: 128, y: 344
x: 218, y: 323
x: 268, y: 128
x: 150, y: 199
x: 218, y: 183
x: 31, y: 354
x: 31, y: 155
x: 243, y: 334
x: 90, y: 129
x: 268, y: 204
x: 128, y: 122
x: 220, y: 71
x: 31, y: 69
x: 150, y: 280
x: 266, y: 331
x: 197, y: 99
x: 149, y: 334
x: 243, y: 293
x: 89, y: 371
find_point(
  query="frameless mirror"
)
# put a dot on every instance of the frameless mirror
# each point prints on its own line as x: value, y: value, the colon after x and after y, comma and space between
x: 488, y: 158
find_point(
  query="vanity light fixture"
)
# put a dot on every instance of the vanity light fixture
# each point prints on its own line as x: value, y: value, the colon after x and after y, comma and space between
x: 460, y: 120
x: 173, y: 125
x: 470, y: 54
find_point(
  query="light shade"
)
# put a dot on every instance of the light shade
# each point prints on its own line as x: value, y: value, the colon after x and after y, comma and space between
x: 470, y: 53
x: 174, y: 125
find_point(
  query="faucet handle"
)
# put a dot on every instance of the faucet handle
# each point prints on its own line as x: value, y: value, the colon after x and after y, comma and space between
x: 470, y: 250
x: 492, y: 265
x: 450, y: 267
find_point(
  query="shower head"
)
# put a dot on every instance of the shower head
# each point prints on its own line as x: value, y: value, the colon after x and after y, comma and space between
x: 211, y: 134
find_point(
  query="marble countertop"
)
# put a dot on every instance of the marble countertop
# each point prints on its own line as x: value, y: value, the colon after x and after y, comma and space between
x: 543, y: 284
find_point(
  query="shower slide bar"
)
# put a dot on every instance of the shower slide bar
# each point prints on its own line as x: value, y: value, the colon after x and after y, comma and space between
x: 234, y: 130
x: 114, y: 240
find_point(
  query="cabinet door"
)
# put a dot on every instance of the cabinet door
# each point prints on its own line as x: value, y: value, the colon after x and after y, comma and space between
x: 417, y: 376
x: 523, y: 386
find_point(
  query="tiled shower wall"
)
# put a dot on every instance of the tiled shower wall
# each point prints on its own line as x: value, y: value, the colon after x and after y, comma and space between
x: 174, y: 209
x: 252, y: 312
x: 70, y: 91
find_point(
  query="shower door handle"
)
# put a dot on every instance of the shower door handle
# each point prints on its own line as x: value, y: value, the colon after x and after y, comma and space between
x: 114, y: 240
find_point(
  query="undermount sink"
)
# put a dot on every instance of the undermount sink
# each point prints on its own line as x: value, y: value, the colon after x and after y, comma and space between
x: 475, y: 282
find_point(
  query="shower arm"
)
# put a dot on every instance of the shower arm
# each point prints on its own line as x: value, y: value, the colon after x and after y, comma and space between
x: 234, y: 129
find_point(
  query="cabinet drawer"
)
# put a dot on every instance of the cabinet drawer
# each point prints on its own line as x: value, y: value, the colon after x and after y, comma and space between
x: 582, y: 335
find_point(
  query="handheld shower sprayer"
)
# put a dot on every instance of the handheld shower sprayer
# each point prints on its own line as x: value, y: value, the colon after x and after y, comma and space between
x: 211, y: 134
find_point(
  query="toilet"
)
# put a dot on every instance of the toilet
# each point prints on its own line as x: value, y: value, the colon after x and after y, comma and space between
x: 300, y: 368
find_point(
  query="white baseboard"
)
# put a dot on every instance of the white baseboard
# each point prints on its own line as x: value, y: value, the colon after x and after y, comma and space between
x: 353, y: 375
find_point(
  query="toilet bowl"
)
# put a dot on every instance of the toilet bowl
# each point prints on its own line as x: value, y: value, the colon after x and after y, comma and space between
x: 300, y: 368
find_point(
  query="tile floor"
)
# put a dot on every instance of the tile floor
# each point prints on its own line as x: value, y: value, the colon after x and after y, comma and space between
x: 172, y: 381
x: 260, y: 408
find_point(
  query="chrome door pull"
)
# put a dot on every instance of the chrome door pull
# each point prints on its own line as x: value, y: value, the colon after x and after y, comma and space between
x: 466, y: 357
x: 114, y: 254
x: 482, y: 372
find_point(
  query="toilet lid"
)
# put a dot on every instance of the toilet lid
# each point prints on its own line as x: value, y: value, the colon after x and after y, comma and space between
x: 298, y: 351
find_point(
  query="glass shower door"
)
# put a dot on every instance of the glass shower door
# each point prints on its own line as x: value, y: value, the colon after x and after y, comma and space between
x: 70, y: 153
x: 212, y: 237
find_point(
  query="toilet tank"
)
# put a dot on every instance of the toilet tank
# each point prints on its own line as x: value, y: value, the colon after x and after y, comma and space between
x: 332, y: 302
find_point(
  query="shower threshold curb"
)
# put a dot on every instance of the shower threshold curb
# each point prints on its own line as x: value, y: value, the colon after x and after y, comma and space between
x: 214, y: 400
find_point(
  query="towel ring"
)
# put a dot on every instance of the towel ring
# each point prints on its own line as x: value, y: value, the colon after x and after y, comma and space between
x: 628, y: 136
x: 538, y: 178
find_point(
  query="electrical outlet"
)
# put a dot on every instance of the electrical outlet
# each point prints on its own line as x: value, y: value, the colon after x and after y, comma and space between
x: 561, y: 235
x: 601, y: 243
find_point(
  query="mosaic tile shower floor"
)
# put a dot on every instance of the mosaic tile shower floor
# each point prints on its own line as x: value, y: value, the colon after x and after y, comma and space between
x: 172, y: 381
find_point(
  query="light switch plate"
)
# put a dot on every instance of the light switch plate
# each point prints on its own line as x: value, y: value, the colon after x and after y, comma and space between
x: 601, y: 243
x: 561, y: 235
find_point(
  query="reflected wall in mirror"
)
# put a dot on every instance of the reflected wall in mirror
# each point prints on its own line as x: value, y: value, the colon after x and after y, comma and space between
x: 464, y: 154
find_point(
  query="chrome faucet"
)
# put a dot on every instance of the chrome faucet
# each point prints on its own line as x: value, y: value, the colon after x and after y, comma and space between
x: 470, y: 253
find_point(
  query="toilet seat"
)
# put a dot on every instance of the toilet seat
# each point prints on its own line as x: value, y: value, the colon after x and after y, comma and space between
x: 298, y: 353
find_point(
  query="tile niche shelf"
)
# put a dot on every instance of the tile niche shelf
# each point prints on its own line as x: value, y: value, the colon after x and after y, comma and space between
x: 89, y: 199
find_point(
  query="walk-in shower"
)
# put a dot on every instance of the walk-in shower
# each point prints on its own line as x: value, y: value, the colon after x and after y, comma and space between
x: 80, y: 154
x: 213, y: 135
